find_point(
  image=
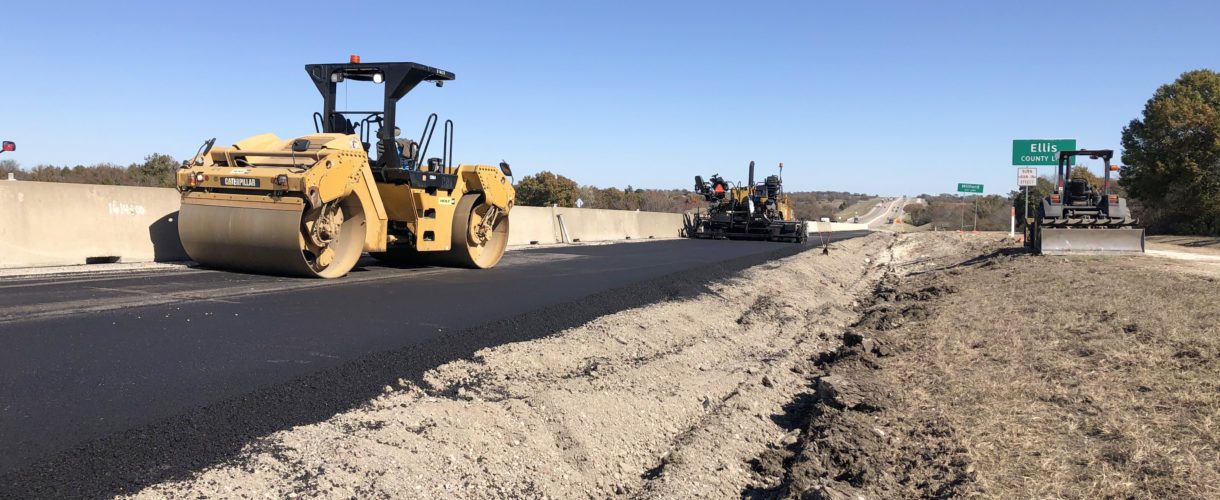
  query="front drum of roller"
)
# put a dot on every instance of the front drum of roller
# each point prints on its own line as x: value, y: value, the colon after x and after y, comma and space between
x: 266, y: 238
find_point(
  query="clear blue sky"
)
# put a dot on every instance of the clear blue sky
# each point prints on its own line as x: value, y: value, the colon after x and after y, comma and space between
x: 880, y: 97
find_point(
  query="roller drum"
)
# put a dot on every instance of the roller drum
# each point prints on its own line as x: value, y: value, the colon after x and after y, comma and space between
x: 267, y: 238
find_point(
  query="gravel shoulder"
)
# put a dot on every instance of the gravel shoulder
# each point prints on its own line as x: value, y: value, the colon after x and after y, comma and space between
x: 669, y: 399
x: 899, y: 365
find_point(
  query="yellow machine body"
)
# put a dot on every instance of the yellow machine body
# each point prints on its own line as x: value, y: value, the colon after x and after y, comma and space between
x: 753, y: 211
x: 259, y: 206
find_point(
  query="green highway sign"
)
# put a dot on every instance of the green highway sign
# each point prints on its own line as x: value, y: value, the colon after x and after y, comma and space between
x: 969, y: 188
x: 1041, y: 151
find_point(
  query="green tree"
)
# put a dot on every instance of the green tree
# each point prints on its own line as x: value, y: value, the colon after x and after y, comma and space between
x: 12, y: 167
x: 545, y: 188
x: 157, y: 170
x: 1036, y: 194
x: 917, y: 214
x: 1171, y: 155
x: 1082, y: 172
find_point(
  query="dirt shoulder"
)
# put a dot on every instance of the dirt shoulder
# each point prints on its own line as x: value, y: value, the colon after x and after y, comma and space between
x: 1016, y: 376
x: 929, y: 364
x: 670, y: 399
x: 1193, y: 244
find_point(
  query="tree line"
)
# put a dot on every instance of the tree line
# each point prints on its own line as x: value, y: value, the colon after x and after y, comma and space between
x: 1170, y: 174
x: 1170, y: 169
x: 157, y: 170
x: 548, y: 188
x: 542, y: 189
x: 1171, y: 157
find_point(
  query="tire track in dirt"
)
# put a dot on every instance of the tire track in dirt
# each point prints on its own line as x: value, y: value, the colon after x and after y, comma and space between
x: 849, y: 436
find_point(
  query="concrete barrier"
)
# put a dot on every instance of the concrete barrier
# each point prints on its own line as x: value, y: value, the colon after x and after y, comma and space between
x: 831, y: 227
x: 546, y: 225
x: 532, y: 225
x: 49, y: 224
x: 55, y: 224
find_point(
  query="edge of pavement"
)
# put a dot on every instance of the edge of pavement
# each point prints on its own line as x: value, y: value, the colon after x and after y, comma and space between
x: 176, y: 447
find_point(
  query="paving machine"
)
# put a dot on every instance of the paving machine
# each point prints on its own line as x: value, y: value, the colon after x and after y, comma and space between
x: 1077, y: 219
x: 309, y: 206
x: 751, y: 212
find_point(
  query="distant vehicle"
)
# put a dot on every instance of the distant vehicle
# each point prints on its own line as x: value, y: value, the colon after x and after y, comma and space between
x: 825, y: 219
x: 889, y: 220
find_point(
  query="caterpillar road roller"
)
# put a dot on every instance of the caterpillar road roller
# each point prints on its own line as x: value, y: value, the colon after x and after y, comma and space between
x: 1077, y: 219
x: 310, y: 206
x: 751, y: 212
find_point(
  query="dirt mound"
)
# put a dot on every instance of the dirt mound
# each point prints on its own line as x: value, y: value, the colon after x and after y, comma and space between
x: 670, y: 399
x: 1009, y: 375
x: 853, y: 436
x: 917, y: 365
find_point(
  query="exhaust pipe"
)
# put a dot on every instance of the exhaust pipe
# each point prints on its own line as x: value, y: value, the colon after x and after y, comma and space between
x: 751, y: 184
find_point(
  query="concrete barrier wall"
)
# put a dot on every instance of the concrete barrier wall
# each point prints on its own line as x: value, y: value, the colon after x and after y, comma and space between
x: 544, y: 225
x: 528, y: 225
x: 47, y: 224
x: 830, y: 227
x: 53, y: 224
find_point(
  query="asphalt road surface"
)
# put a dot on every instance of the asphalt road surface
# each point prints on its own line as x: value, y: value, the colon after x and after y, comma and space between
x: 111, y: 382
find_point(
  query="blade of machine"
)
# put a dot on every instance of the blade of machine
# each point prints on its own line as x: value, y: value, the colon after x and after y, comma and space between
x: 1082, y: 241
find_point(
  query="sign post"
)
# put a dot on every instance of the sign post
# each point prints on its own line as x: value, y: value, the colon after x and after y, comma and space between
x: 970, y: 188
x: 1034, y: 152
x: 1026, y: 177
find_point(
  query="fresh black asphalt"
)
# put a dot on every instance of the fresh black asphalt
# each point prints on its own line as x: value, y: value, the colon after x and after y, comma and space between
x: 108, y: 383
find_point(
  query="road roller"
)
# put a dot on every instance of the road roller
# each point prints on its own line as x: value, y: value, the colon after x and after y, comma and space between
x: 311, y: 206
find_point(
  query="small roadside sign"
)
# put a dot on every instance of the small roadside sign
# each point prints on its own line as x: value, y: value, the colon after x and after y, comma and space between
x: 1041, y: 151
x: 580, y: 203
x: 1027, y: 176
x: 969, y: 188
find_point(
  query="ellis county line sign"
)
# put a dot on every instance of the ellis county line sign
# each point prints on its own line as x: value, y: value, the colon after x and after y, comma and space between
x: 1041, y: 151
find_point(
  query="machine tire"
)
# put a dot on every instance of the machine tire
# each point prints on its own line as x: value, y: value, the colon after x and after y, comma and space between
x: 465, y: 251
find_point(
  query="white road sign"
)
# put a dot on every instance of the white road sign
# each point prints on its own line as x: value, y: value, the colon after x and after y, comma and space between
x: 1027, y: 176
x: 580, y: 203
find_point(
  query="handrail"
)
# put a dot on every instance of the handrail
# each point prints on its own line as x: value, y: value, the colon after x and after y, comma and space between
x: 447, y: 155
x: 425, y: 139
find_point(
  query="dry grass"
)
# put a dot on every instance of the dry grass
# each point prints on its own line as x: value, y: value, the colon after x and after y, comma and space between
x: 858, y: 208
x: 1079, y: 378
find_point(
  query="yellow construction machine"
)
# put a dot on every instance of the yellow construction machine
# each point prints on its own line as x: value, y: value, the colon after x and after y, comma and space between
x: 752, y: 211
x: 309, y: 206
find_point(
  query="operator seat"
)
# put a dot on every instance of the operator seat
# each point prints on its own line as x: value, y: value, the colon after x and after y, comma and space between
x: 341, y: 125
